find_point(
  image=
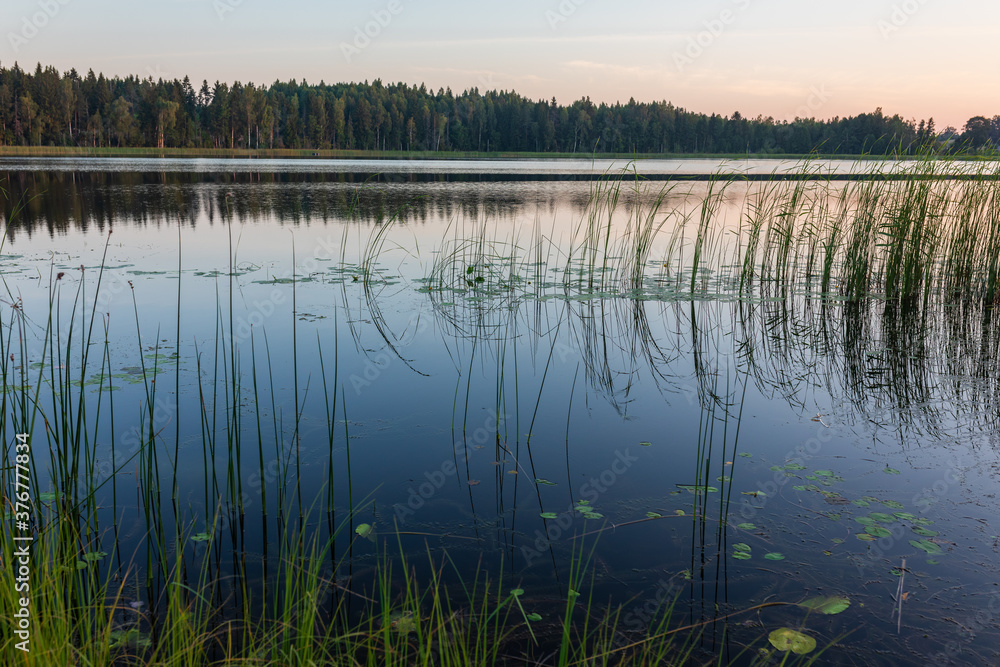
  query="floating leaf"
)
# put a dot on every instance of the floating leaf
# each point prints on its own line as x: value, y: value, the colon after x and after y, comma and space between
x: 201, y: 537
x: 865, y: 537
x: 696, y: 489
x: 826, y: 604
x: 742, y: 546
x: 364, y: 530
x: 548, y: 515
x: 824, y: 473
x: 94, y: 556
x: 892, y: 504
x: 878, y: 531
x: 882, y: 517
x: 746, y: 455
x: 533, y: 617
x: 890, y: 471
x: 723, y: 478
x: 795, y: 466
x: 860, y: 503
x: 786, y: 639
x: 645, y: 444
x: 865, y: 521
x: 798, y: 488
x: 927, y: 546
x: 774, y: 556
x: 905, y: 516
x: 922, y: 521
x: 653, y: 515
x: 741, y: 555
x: 837, y: 540
x: 679, y: 513
x: 545, y: 482
x: 923, y: 532
x: 746, y: 526
x: 403, y: 622
x: 592, y: 515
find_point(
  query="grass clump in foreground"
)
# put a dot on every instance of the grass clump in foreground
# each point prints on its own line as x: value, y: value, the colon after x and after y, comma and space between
x: 80, y: 617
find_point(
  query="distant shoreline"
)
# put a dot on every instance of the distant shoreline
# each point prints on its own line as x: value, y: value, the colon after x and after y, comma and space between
x: 294, y: 153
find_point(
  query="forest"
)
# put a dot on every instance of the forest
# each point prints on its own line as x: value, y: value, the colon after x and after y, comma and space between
x: 49, y: 108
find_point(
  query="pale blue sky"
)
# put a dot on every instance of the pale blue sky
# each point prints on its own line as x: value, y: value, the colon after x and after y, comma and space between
x: 781, y: 58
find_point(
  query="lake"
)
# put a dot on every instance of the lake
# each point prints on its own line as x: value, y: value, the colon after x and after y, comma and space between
x: 720, y: 394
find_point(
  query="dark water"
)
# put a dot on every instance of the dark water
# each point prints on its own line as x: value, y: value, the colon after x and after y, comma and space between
x: 697, y: 426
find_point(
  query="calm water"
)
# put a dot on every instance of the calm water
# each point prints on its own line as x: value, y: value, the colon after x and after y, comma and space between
x: 479, y: 387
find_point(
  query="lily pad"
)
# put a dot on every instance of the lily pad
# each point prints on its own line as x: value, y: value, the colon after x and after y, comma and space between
x: 860, y: 502
x: 741, y: 555
x: 697, y: 489
x: 882, y: 517
x: 364, y: 530
x: 892, y: 504
x: 890, y: 471
x: 94, y: 556
x: 923, y: 532
x: 548, y: 515
x: 742, y: 546
x: 905, y: 516
x: 645, y: 444
x: 403, y: 622
x: 865, y: 537
x: 774, y: 556
x: 533, y: 617
x: 824, y: 473
x: 593, y: 515
x: 786, y: 639
x: 927, y: 546
x: 201, y: 537
x: 746, y: 526
x: 826, y: 604
x: 878, y: 531
x: 865, y: 521
x: 545, y: 482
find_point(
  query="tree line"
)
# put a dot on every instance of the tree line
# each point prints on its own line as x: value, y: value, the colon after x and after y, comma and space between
x: 49, y: 108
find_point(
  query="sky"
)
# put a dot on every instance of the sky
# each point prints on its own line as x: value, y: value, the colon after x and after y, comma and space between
x: 779, y: 58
